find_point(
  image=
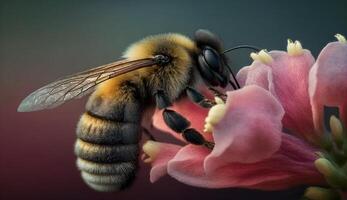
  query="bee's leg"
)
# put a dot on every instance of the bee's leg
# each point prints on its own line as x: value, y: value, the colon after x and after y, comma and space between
x: 198, y: 98
x: 178, y: 123
x: 218, y: 93
x: 149, y: 135
x: 161, y: 99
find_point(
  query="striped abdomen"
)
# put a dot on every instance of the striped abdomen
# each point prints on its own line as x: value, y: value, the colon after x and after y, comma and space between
x: 107, y: 145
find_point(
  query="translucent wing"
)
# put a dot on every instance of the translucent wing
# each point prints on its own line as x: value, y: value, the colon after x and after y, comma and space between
x: 78, y: 85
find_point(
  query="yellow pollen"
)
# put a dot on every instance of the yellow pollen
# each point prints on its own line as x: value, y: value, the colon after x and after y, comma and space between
x: 215, y: 114
x: 294, y: 48
x: 341, y: 38
x: 263, y: 56
x: 218, y: 100
x: 151, y: 149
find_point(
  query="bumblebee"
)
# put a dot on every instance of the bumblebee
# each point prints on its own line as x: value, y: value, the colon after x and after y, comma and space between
x: 153, y: 73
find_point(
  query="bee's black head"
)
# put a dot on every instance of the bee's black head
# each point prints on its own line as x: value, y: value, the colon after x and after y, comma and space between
x: 211, y: 61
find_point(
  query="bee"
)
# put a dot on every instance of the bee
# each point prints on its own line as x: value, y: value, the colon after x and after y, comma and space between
x: 153, y: 73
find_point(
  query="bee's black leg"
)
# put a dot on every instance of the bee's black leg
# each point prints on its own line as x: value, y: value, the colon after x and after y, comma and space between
x: 198, y: 98
x: 218, y: 93
x: 161, y: 99
x: 178, y: 123
x: 149, y: 135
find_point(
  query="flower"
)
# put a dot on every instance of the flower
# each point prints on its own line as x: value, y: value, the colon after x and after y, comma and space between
x: 267, y: 133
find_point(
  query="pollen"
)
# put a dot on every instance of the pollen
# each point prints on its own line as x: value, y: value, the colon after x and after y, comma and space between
x: 218, y: 100
x: 215, y: 114
x: 263, y: 56
x: 208, y: 128
x: 341, y: 38
x: 151, y: 150
x: 294, y: 48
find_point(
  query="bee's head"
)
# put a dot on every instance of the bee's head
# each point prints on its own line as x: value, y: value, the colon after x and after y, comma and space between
x: 211, y: 61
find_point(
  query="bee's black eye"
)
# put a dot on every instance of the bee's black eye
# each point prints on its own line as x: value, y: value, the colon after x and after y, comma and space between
x: 211, y: 67
x: 162, y: 59
x: 212, y: 59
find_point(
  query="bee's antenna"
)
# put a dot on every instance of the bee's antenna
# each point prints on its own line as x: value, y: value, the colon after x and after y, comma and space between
x: 237, y: 86
x: 242, y: 47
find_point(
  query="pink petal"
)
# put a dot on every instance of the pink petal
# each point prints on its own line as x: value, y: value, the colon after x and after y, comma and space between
x: 287, y: 79
x: 159, y: 165
x: 328, y: 82
x: 194, y: 113
x: 250, y: 131
x: 290, y: 166
x: 291, y: 86
x: 258, y: 74
x: 187, y: 167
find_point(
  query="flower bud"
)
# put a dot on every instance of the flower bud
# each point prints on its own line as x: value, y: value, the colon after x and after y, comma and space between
x: 333, y: 174
x: 326, y: 142
x: 344, y: 146
x: 336, y: 130
x: 318, y: 193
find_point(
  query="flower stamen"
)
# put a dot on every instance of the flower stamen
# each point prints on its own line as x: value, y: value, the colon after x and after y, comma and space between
x: 262, y: 56
x: 341, y: 38
x: 151, y: 150
x: 215, y: 114
x: 294, y: 48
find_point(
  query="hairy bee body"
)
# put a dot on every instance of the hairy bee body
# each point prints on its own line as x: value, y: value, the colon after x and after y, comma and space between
x: 154, y: 72
x: 108, y: 135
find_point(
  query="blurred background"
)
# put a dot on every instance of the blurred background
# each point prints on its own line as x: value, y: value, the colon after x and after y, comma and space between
x: 43, y: 40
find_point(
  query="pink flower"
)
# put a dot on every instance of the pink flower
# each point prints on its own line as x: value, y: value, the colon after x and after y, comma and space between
x: 267, y: 134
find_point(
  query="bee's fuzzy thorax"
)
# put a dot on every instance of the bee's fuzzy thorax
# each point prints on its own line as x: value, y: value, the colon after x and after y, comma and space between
x: 174, y: 77
x: 148, y: 46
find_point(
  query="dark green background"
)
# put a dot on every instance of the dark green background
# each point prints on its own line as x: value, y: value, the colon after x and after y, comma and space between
x: 43, y: 40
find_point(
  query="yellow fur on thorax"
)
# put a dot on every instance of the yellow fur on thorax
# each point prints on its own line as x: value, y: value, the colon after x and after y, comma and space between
x: 181, y: 47
x: 145, y: 48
